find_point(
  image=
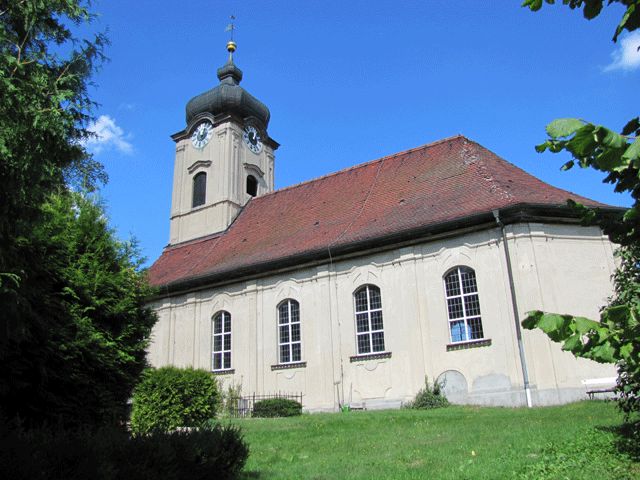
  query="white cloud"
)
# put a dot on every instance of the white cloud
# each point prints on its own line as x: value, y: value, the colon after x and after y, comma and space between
x: 626, y: 55
x: 106, y: 135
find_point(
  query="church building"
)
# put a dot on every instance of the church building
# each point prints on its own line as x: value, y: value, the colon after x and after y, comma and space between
x: 353, y: 287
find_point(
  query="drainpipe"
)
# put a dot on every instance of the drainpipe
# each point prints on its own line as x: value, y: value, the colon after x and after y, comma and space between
x: 514, y: 304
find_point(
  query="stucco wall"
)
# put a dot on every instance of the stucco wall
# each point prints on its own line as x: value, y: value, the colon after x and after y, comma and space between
x: 560, y: 268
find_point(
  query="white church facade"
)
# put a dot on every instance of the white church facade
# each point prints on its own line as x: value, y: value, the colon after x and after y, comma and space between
x: 354, y: 287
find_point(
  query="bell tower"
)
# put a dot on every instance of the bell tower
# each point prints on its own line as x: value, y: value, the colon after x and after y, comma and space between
x: 224, y: 157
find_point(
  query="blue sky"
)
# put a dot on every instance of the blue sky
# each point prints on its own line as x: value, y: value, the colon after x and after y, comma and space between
x: 351, y: 81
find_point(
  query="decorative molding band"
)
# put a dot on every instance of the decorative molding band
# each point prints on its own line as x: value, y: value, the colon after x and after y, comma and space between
x: 224, y: 372
x: 286, y: 366
x: 197, y: 164
x: 370, y: 356
x: 485, y: 342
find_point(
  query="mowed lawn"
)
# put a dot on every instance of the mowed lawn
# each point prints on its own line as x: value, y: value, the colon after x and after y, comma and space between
x: 573, y: 441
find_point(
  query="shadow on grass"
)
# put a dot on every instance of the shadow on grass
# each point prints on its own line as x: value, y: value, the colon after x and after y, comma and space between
x: 627, y: 439
x: 253, y: 475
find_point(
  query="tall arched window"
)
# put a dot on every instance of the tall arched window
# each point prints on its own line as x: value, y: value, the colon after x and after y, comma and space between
x: 463, y: 304
x: 252, y: 185
x: 369, y: 328
x: 199, y: 189
x: 289, y: 339
x: 221, y: 349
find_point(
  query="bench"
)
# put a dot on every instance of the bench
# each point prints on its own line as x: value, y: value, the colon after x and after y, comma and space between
x: 596, y: 386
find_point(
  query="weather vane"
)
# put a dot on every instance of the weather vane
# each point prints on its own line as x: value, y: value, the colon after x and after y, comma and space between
x: 231, y: 45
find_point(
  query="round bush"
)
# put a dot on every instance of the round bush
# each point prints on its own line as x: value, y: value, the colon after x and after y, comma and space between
x: 170, y: 397
x: 429, y: 397
x: 277, y: 407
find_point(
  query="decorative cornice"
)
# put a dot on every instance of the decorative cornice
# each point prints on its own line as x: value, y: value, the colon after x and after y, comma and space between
x: 287, y: 366
x: 485, y: 342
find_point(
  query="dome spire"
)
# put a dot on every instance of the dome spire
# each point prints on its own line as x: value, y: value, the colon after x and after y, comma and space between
x: 231, y: 45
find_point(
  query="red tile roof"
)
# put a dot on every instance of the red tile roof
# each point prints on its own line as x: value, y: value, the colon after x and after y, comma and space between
x: 390, y: 198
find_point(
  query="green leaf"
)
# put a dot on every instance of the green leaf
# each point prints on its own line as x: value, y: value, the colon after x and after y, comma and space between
x: 583, y: 143
x: 584, y: 325
x: 573, y: 343
x: 534, y: 5
x: 613, y: 139
x: 633, y: 151
x: 564, y: 127
x: 555, y: 326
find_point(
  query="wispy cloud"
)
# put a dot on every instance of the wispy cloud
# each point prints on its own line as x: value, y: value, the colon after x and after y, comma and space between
x: 626, y: 55
x: 108, y: 135
x: 127, y: 106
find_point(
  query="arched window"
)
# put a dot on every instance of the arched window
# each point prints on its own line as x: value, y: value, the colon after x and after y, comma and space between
x: 369, y: 328
x: 463, y: 304
x: 221, y: 349
x: 199, y: 189
x: 289, y: 341
x: 252, y: 185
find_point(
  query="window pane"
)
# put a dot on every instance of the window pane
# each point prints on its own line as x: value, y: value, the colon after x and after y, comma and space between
x: 199, y: 189
x: 217, y: 324
x: 217, y: 361
x: 374, y: 297
x: 451, y: 283
x: 296, y: 352
x: 217, y: 343
x: 227, y: 322
x: 455, y: 307
x: 376, y: 320
x: 364, y: 344
x: 295, y: 332
x: 472, y: 305
x: 227, y: 360
x: 283, y: 312
x: 475, y: 328
x: 378, y: 341
x: 362, y: 322
x: 284, y: 334
x: 284, y: 353
x: 458, y: 333
x: 468, y: 280
x: 227, y: 341
x: 361, y: 300
x: 295, y: 311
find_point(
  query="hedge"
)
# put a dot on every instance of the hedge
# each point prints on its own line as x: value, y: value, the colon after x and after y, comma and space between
x: 277, y: 407
x: 168, y: 398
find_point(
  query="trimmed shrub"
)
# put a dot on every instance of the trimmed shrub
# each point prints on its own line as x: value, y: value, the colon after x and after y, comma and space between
x: 109, y: 454
x: 429, y: 397
x: 168, y: 398
x: 277, y: 407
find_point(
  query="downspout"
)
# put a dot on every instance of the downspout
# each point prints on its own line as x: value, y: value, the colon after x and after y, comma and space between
x: 516, y: 316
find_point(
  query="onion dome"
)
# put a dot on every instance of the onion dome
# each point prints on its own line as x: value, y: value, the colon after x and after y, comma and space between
x: 228, y: 97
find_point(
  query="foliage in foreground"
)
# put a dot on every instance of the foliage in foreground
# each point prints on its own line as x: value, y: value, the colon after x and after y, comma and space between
x: 431, y: 396
x: 74, y: 324
x: 168, y: 398
x: 276, y: 407
x: 616, y: 338
x: 109, y: 454
x: 85, y: 322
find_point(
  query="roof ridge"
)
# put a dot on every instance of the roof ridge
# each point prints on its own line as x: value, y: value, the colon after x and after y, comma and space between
x: 365, y: 164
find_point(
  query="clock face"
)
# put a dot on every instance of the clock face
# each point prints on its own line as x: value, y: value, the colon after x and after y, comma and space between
x: 202, y: 134
x: 252, y: 138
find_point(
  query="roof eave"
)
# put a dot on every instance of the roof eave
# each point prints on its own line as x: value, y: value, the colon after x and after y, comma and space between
x: 519, y: 213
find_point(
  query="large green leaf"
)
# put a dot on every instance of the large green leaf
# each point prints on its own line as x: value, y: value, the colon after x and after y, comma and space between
x: 564, y: 127
x: 633, y: 152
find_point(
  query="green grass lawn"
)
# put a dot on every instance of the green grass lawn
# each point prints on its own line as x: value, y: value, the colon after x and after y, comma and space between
x: 572, y: 441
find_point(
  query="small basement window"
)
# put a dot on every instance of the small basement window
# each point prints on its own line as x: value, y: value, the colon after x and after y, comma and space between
x: 252, y: 185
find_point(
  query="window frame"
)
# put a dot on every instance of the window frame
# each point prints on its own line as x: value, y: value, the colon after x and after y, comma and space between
x: 197, y: 176
x: 463, y: 305
x: 289, y: 324
x: 370, y: 332
x: 224, y: 332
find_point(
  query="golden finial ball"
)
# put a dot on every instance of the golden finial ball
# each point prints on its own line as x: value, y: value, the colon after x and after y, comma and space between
x: 231, y: 46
